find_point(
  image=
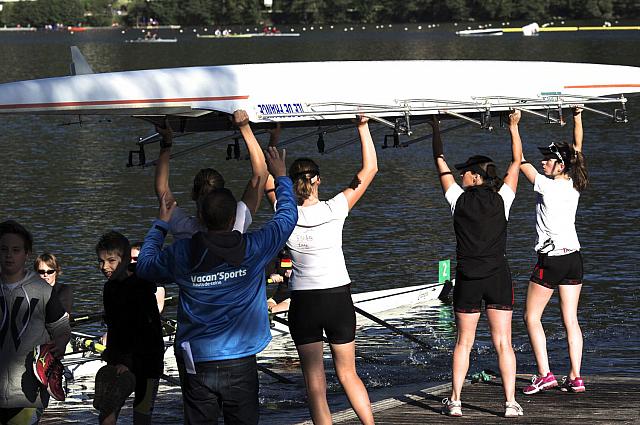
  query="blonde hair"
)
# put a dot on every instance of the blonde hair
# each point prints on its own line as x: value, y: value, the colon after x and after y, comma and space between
x: 50, y: 260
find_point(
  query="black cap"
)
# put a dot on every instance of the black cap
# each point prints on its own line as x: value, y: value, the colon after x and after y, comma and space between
x: 473, y: 162
x: 554, y: 151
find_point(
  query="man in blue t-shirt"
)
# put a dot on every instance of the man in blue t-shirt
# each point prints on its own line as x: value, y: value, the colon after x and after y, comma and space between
x: 222, y: 314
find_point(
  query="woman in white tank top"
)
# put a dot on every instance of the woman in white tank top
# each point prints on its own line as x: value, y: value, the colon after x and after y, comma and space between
x: 559, y: 259
x: 320, y: 297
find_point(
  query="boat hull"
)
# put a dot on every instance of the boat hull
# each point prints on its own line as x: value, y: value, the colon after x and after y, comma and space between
x: 308, y: 92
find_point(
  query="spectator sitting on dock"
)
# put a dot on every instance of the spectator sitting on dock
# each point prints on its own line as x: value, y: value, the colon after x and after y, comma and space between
x: 480, y: 210
x: 278, y: 272
x: 223, y: 269
x: 559, y: 258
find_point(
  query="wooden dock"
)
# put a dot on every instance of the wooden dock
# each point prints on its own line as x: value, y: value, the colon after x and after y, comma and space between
x: 608, y: 400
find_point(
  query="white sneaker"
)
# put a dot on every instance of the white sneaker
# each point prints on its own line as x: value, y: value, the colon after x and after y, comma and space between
x: 451, y: 408
x: 512, y: 409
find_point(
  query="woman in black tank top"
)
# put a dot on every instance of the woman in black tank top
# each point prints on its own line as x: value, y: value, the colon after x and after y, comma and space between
x: 480, y: 213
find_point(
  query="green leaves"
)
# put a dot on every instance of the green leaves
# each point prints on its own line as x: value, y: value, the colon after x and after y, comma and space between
x: 295, y: 12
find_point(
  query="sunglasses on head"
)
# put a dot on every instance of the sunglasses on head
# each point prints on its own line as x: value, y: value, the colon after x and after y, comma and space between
x: 554, y: 150
x: 43, y: 272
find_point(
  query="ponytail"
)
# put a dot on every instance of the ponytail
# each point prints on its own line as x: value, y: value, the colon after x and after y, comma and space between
x: 304, y: 173
x: 578, y: 171
x: 491, y: 179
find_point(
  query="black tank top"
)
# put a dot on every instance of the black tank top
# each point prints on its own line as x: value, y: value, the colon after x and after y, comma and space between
x: 481, y: 232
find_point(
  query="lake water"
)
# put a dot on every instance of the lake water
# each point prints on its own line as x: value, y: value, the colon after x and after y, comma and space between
x: 69, y: 184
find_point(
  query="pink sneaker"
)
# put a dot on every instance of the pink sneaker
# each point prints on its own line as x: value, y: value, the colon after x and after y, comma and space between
x: 575, y: 385
x: 540, y: 383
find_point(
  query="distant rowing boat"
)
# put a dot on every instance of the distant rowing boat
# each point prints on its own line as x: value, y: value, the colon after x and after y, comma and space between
x: 480, y: 32
x: 18, y: 29
x: 248, y: 35
x: 88, y: 362
x: 153, y: 40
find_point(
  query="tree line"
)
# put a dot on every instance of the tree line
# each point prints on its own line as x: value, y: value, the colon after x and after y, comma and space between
x: 249, y: 12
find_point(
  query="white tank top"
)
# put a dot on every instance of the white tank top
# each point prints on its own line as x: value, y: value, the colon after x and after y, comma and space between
x: 316, y: 246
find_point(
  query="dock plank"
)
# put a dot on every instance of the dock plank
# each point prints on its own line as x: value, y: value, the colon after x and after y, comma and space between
x: 608, y: 400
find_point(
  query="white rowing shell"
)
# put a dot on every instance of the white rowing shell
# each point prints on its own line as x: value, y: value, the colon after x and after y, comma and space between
x: 292, y: 91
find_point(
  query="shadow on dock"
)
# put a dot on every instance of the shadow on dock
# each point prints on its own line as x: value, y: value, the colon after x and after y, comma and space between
x: 608, y: 399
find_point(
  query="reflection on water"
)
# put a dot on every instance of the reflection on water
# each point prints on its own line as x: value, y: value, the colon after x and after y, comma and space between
x: 69, y: 184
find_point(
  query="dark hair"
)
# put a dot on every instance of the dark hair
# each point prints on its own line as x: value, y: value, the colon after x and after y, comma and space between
x: 485, y: 168
x: 490, y: 177
x: 205, y: 181
x: 50, y: 260
x: 578, y: 171
x: 575, y: 167
x: 136, y: 245
x: 302, y: 172
x: 113, y: 241
x: 13, y: 227
x: 217, y: 209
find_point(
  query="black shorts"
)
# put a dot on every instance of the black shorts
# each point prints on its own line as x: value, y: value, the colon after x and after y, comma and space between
x: 330, y: 310
x: 496, y: 291
x: 551, y: 271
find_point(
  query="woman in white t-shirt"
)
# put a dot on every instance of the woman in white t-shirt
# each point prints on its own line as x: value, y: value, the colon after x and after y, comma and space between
x: 320, y: 284
x: 559, y: 259
x: 480, y: 210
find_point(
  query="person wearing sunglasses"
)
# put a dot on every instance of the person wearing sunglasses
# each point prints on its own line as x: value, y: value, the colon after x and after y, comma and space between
x: 480, y: 209
x: 564, y: 176
x: 48, y: 267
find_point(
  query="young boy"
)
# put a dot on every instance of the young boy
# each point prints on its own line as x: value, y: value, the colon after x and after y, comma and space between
x: 135, y: 347
x: 29, y: 317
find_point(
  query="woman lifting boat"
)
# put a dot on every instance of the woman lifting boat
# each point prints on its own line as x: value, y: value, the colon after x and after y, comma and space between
x: 480, y: 210
x: 559, y: 259
x: 320, y: 284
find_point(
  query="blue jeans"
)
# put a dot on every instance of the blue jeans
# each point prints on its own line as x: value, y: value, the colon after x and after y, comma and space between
x: 227, y: 385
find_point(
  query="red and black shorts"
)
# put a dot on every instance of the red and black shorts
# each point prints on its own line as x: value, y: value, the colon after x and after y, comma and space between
x: 315, y: 311
x: 496, y: 291
x: 551, y: 271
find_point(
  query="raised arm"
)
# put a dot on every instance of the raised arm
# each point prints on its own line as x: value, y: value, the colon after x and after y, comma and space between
x: 274, y: 135
x: 253, y: 193
x: 162, y: 166
x: 363, y: 179
x: 270, y: 185
x: 511, y: 179
x: 528, y: 170
x: 444, y: 172
x: 270, y: 190
x: 577, y: 129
